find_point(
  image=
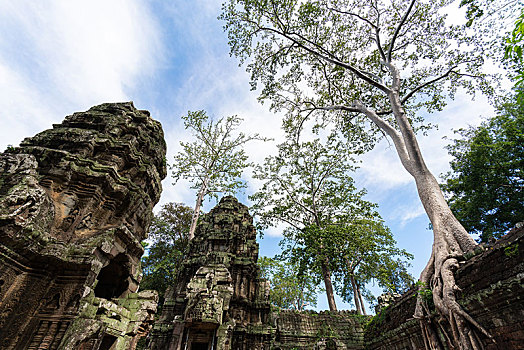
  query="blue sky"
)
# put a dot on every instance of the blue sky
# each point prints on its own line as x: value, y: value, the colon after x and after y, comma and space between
x: 59, y: 57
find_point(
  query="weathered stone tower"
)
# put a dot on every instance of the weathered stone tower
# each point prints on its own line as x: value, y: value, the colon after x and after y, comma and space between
x: 219, y: 302
x: 75, y: 202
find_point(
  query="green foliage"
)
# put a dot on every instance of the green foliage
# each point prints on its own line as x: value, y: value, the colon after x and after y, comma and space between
x: 425, y: 292
x: 307, y: 186
x: 363, y: 250
x: 513, y: 56
x: 167, y: 246
x: 490, y: 18
x: 307, y: 182
x: 486, y: 183
x: 325, y: 331
x: 325, y: 59
x: 214, y: 162
x: 514, y: 49
x: 291, y: 289
x: 512, y: 251
x: 473, y: 10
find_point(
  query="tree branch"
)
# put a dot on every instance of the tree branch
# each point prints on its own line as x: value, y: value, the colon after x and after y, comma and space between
x: 291, y: 196
x: 427, y: 83
x: 326, y: 57
x: 354, y: 15
x: 397, y: 30
x: 398, y: 141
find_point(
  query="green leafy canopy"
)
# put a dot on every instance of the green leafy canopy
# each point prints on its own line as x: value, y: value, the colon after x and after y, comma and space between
x: 166, y: 247
x: 325, y: 58
x: 291, y: 289
x: 216, y: 157
x: 486, y: 184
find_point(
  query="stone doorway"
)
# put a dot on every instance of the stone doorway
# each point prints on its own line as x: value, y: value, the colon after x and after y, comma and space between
x: 200, y: 346
x: 201, y: 338
x: 108, y: 342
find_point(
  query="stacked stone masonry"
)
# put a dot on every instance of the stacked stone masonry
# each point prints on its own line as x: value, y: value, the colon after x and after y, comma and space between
x: 219, y: 301
x: 492, y: 292
x: 324, y: 330
x: 75, y: 203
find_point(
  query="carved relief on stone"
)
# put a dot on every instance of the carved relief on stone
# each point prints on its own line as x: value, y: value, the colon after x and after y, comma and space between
x: 206, y: 310
x: 23, y: 202
x: 75, y: 202
x: 208, y: 293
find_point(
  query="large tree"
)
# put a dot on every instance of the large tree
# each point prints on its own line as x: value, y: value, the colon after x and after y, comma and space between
x: 370, y: 66
x: 306, y: 186
x: 167, y: 243
x: 364, y: 251
x: 359, y: 249
x: 486, y: 181
x: 213, y: 163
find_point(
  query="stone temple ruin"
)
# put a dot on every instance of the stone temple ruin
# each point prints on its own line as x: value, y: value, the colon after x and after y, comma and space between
x: 219, y: 300
x: 219, y: 303
x: 75, y: 203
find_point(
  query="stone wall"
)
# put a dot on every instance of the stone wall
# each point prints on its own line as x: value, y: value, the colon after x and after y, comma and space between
x: 492, y: 285
x: 324, y: 330
x: 75, y: 203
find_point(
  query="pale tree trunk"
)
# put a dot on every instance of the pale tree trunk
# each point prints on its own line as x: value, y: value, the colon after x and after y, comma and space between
x: 361, y: 301
x: 451, y: 240
x: 355, y: 295
x: 198, y: 205
x: 326, y: 275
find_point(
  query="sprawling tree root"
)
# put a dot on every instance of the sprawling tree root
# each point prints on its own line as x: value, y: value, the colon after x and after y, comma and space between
x: 438, y: 276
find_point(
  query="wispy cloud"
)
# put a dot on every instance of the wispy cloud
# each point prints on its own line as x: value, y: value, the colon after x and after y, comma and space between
x: 57, y: 57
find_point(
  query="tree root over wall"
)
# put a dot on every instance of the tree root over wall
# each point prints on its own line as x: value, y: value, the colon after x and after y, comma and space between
x: 438, y: 277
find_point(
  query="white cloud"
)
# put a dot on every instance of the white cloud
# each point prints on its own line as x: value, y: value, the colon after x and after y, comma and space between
x: 57, y: 57
x: 276, y: 231
x: 410, y: 212
x: 212, y: 80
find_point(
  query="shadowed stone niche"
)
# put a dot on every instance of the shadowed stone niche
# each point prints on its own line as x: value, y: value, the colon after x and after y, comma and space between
x: 75, y: 203
x: 219, y: 302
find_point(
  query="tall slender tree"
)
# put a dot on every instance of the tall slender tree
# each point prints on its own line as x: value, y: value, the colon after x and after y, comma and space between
x: 213, y: 163
x: 371, y: 66
x: 305, y: 186
x: 364, y: 251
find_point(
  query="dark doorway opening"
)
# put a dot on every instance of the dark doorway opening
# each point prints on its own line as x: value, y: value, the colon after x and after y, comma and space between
x: 107, y: 342
x: 199, y: 346
x: 112, y: 279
